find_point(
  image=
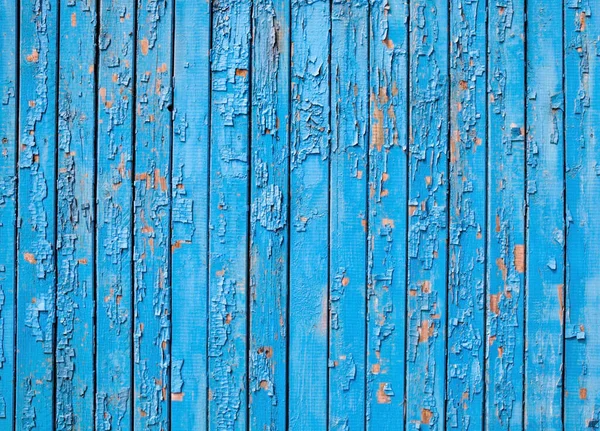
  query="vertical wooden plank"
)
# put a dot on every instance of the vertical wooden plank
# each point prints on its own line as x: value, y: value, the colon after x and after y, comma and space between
x: 309, y: 259
x: 8, y: 211
x: 36, y: 291
x: 467, y: 214
x: 545, y: 216
x: 75, y: 217
x: 151, y: 253
x: 114, y: 292
x: 582, y: 102
x: 388, y: 200
x: 428, y: 214
x: 228, y: 219
x: 506, y: 215
x: 269, y: 228
x: 189, y: 237
x: 348, y: 232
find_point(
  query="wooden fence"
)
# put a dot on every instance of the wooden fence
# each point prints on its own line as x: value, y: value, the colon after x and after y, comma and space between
x: 299, y: 214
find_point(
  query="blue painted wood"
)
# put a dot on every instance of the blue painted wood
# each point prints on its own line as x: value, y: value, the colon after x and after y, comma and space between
x: 545, y: 256
x: 466, y: 290
x: 582, y: 325
x: 36, y: 272
x: 75, y: 217
x: 428, y: 215
x: 387, y: 215
x: 309, y: 212
x: 318, y: 258
x: 9, y: 40
x: 228, y: 218
x: 269, y: 227
x: 506, y: 216
x: 348, y: 231
x: 152, y: 233
x: 114, y: 206
x: 189, y: 236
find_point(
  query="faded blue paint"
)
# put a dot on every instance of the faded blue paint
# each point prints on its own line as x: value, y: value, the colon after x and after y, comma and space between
x: 582, y: 322
x: 506, y: 216
x: 545, y: 241
x: 309, y: 213
x: 9, y: 39
x: 466, y: 327
x: 114, y: 206
x: 76, y: 218
x: 189, y: 236
x: 228, y: 215
x: 269, y: 223
x: 36, y: 270
x: 428, y: 216
x: 152, y: 220
x: 345, y: 215
x: 387, y: 215
x: 349, y: 95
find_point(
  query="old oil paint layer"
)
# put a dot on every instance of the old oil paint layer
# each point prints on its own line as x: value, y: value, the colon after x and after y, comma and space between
x: 74, y: 354
x: 152, y: 219
x: 544, y: 255
x: 505, y: 264
x: 269, y: 209
x: 36, y: 270
x: 582, y: 352
x: 428, y: 216
x: 466, y: 276
x: 387, y: 214
x: 9, y: 39
x: 189, y: 236
x: 114, y: 209
x: 228, y: 218
x: 309, y: 213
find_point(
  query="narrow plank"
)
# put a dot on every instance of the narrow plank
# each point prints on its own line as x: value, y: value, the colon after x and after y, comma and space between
x: 428, y: 215
x: 545, y: 271
x: 114, y: 191
x: 466, y: 324
x: 189, y: 238
x: 348, y: 232
x: 506, y: 216
x: 269, y: 228
x: 582, y: 331
x: 387, y: 223
x: 36, y: 274
x: 309, y: 179
x: 228, y: 219
x: 75, y: 217
x: 152, y: 233
x: 8, y: 211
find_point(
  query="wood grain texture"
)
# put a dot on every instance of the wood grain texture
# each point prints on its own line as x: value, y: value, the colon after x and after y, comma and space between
x: 506, y: 216
x: 387, y: 215
x: 189, y: 236
x: 75, y: 217
x: 36, y: 262
x: 114, y: 215
x: 428, y: 216
x: 152, y: 220
x: 545, y: 258
x: 9, y: 59
x: 269, y: 223
x: 582, y: 344
x: 468, y: 145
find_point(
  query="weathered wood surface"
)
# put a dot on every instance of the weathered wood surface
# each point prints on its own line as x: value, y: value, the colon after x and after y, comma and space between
x: 299, y: 214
